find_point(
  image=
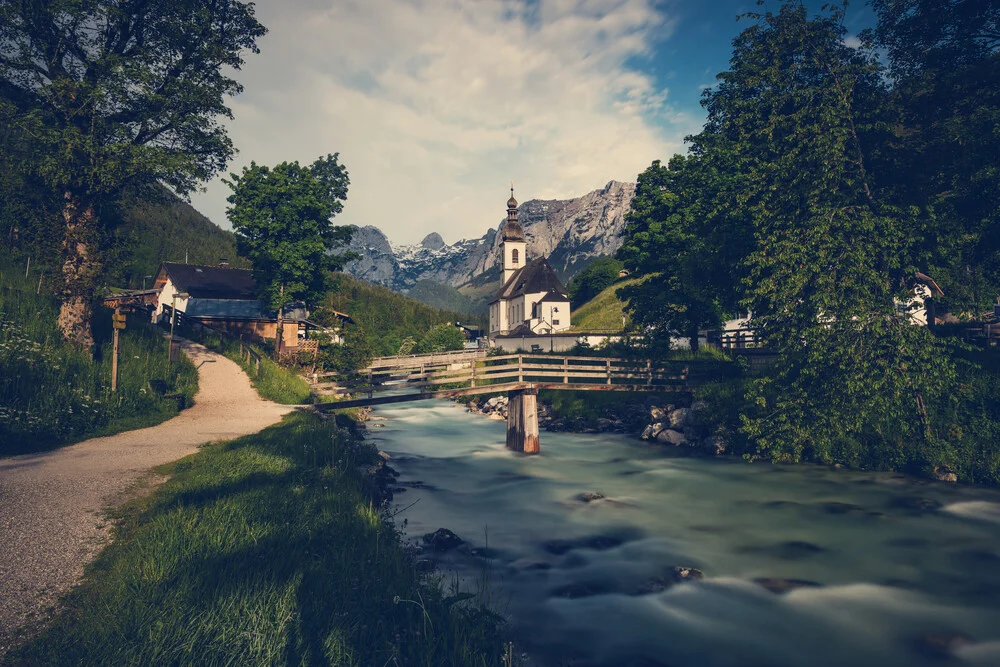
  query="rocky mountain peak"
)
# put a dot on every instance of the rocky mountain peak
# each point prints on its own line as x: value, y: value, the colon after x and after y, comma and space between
x: 570, y: 232
x: 433, y: 241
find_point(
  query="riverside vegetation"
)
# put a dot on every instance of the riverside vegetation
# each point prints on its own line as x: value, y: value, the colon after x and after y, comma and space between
x: 269, y: 549
x: 52, y: 393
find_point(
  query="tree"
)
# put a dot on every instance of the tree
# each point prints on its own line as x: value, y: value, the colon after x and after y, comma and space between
x: 112, y: 93
x: 806, y: 115
x: 944, y: 60
x: 441, y: 338
x: 598, y: 276
x: 687, y: 242
x: 283, y: 223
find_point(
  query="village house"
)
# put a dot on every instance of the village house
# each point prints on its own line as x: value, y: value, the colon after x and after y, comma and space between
x: 225, y: 298
x: 532, y: 299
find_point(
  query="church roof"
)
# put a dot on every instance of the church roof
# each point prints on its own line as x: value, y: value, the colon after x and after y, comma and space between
x: 534, y: 277
x: 554, y: 295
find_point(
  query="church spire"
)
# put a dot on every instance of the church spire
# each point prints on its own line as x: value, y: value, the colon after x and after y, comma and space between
x: 512, y: 230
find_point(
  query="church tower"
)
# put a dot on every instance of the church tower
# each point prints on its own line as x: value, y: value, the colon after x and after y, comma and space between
x: 512, y: 245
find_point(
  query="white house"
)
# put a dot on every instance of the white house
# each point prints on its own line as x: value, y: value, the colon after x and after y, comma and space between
x: 532, y: 299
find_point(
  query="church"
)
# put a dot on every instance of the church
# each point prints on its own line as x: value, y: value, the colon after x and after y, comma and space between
x: 532, y: 299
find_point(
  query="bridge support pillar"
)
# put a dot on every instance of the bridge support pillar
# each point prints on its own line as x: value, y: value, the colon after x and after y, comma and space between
x: 522, y: 421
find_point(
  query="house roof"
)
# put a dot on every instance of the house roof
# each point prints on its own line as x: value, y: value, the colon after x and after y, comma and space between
x: 927, y: 280
x: 212, y: 282
x: 534, y: 277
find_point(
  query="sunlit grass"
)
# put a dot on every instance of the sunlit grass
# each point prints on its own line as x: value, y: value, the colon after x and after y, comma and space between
x: 264, y: 550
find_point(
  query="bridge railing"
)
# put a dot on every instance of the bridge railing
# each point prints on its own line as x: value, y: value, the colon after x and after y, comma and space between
x: 558, y: 372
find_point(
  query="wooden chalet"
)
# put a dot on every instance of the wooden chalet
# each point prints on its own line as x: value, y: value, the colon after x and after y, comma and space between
x: 225, y: 298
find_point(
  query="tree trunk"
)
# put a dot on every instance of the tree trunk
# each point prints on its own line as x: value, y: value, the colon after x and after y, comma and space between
x: 80, y: 268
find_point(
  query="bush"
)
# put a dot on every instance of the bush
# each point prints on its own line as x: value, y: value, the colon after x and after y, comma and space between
x: 441, y: 338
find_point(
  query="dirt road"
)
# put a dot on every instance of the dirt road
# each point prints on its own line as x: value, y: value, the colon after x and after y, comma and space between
x: 51, y: 504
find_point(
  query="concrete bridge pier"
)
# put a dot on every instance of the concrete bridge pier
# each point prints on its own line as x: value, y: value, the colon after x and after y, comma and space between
x: 522, y: 420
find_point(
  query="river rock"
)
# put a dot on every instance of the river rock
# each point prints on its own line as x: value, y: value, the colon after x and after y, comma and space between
x: 658, y: 414
x: 698, y: 406
x: 776, y: 585
x: 915, y: 504
x: 944, y: 474
x: 680, y: 417
x: 653, y: 430
x: 669, y: 436
x: 442, y: 539
x: 590, y: 496
x: 716, y: 445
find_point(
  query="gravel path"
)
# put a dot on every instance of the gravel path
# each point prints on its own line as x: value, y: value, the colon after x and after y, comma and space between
x: 51, y: 504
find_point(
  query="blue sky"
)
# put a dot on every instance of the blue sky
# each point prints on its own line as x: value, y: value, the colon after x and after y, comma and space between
x: 436, y: 105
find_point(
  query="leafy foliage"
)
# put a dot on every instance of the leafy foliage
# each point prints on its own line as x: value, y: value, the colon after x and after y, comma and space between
x: 441, y: 338
x: 598, y: 276
x: 283, y: 223
x: 108, y: 95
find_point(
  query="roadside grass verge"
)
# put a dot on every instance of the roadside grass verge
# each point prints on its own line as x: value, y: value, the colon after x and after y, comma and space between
x: 274, y: 382
x: 52, y: 393
x: 263, y: 550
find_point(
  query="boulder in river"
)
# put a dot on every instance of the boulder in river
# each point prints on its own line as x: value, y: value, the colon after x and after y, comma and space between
x: 716, y: 445
x: 917, y: 504
x: 680, y: 417
x: 669, y: 436
x: 590, y: 496
x: 777, y: 585
x: 442, y: 539
x: 944, y: 474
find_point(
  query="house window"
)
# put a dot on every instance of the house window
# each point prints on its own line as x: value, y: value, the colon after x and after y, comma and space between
x: 555, y: 323
x: 513, y: 256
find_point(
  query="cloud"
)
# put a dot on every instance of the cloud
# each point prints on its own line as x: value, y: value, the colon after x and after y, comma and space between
x: 852, y: 41
x: 434, y: 105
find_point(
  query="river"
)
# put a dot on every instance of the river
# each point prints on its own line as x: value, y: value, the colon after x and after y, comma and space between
x: 897, y: 568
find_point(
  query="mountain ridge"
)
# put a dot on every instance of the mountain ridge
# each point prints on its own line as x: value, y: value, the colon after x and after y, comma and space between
x: 569, y: 232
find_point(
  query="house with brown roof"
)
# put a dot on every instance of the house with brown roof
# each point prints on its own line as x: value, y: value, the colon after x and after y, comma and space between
x: 225, y: 298
x: 532, y: 299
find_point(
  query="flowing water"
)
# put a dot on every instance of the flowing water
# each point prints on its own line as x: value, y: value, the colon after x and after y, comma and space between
x: 896, y: 567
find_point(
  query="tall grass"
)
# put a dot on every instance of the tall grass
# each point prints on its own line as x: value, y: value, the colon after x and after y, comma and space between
x: 52, y: 393
x: 272, y: 380
x: 265, y: 550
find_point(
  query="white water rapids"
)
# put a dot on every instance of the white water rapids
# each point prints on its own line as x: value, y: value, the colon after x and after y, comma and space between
x: 897, y: 559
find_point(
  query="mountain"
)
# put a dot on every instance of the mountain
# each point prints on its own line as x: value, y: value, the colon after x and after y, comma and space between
x: 571, y: 233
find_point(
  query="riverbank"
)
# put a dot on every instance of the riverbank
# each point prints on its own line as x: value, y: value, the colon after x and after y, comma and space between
x: 268, y: 549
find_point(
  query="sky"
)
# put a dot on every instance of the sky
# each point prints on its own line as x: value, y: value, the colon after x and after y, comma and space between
x: 435, y: 106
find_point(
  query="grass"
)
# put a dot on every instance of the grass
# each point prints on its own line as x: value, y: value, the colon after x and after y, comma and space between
x: 605, y: 312
x: 273, y: 381
x: 52, y: 393
x: 260, y: 551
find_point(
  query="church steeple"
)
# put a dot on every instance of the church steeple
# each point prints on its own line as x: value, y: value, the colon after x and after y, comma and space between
x: 513, y: 244
x: 512, y: 230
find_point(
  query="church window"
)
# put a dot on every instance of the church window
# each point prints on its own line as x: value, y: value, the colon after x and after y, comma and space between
x: 513, y: 256
x: 555, y: 323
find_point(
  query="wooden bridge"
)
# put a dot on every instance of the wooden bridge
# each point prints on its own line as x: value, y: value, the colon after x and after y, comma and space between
x: 421, y: 377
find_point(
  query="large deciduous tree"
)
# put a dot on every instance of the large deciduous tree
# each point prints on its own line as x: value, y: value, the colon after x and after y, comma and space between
x: 806, y: 115
x: 944, y: 62
x: 115, y: 93
x: 283, y: 223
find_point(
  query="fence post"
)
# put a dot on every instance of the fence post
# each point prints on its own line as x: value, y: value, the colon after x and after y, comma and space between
x: 473, y: 373
x: 520, y: 369
x: 608, y: 367
x: 565, y: 370
x: 370, y: 387
x: 649, y: 373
